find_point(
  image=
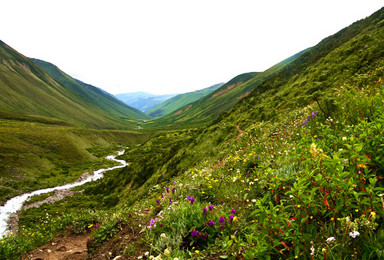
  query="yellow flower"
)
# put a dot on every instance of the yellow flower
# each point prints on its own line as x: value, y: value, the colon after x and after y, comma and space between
x: 197, y: 252
x: 166, y: 252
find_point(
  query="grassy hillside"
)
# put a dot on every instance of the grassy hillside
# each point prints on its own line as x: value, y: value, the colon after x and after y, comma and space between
x: 293, y: 171
x: 181, y: 100
x: 208, y: 108
x: 37, y: 152
x: 28, y: 90
x: 91, y: 94
x: 142, y: 100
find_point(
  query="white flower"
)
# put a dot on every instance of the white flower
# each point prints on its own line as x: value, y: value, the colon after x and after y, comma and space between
x: 344, y: 138
x: 166, y: 252
x: 354, y: 234
x: 146, y: 253
x: 312, y: 250
x: 162, y: 235
x: 330, y: 239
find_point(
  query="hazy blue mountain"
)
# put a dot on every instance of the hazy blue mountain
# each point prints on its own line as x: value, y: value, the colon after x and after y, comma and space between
x: 143, y: 101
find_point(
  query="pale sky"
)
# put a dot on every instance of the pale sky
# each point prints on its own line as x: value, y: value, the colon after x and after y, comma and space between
x: 170, y: 46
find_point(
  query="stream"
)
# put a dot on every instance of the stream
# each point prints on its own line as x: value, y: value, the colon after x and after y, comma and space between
x: 15, y: 204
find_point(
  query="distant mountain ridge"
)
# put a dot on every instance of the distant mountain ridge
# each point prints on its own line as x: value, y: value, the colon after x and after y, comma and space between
x: 28, y: 89
x: 176, y: 102
x: 99, y: 97
x: 143, y: 101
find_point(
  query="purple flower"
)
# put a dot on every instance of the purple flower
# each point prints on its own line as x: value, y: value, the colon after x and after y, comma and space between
x: 222, y: 220
x: 119, y: 220
x: 170, y: 201
x: 157, y: 201
x: 173, y: 190
x: 174, y: 181
x: 211, y: 223
x: 192, y: 200
x: 152, y: 222
x: 188, y: 197
x: 233, y: 211
x: 210, y: 207
x: 194, y: 233
x: 258, y: 157
x: 97, y: 225
x: 205, y: 211
x: 231, y: 218
x: 129, y: 215
x: 167, y: 189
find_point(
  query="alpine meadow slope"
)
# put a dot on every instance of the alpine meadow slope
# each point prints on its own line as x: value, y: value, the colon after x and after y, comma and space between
x: 208, y: 108
x: 292, y: 170
x: 27, y: 89
x: 172, y: 104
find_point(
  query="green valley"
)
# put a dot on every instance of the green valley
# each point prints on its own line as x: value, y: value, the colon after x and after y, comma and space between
x: 281, y: 164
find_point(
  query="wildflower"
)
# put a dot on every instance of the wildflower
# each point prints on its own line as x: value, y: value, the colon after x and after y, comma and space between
x: 205, y: 211
x: 233, y: 211
x: 146, y: 253
x: 354, y: 234
x: 210, y: 207
x: 235, y: 219
x: 129, y: 215
x: 157, y: 201
x: 90, y: 226
x: 211, y: 223
x: 194, y: 233
x: 222, y: 220
x: 97, y: 225
x: 170, y: 201
x: 231, y: 218
x: 167, y: 189
x: 344, y: 138
x: 312, y: 250
x: 192, y: 200
x: 373, y: 214
x: 166, y: 252
x: 330, y: 239
x: 197, y: 251
x: 173, y: 190
x: 362, y: 165
x: 162, y: 235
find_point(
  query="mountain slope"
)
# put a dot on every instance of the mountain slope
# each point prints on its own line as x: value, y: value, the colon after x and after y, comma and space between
x: 89, y: 93
x: 180, y: 100
x: 142, y: 100
x: 221, y: 100
x: 29, y: 90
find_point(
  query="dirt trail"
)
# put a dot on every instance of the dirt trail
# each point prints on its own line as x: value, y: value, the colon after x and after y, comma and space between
x: 69, y: 247
x: 240, y: 133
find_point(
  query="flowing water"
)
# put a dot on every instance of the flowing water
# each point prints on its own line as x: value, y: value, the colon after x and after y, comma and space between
x: 15, y: 204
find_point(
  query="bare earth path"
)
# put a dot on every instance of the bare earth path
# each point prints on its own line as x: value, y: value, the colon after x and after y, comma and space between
x: 68, y: 246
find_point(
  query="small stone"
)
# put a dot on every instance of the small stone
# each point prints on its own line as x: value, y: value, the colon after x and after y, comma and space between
x: 62, y: 248
x: 53, y: 243
x: 49, y: 251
